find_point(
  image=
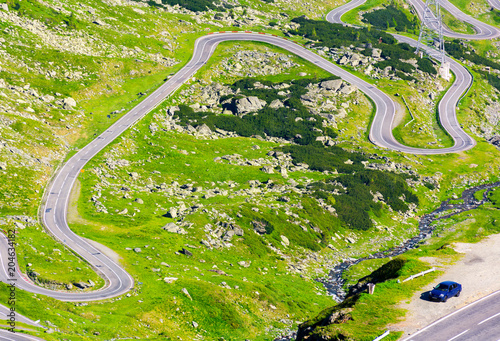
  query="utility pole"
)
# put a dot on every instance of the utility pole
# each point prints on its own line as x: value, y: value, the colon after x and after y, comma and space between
x: 431, y: 35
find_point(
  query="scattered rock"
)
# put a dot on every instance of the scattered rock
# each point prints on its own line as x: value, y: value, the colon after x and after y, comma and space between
x: 185, y: 292
x: 285, y: 241
x: 19, y: 225
x: 276, y: 104
x: 249, y: 104
x: 172, y: 212
x: 186, y: 252
x: 331, y: 85
x: 173, y: 228
x: 170, y: 280
x: 268, y: 169
x: 203, y: 129
x: 81, y: 285
x: 244, y: 264
x: 69, y: 103
x: 347, y: 90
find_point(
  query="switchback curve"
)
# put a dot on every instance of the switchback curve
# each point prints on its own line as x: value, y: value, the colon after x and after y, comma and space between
x: 118, y: 281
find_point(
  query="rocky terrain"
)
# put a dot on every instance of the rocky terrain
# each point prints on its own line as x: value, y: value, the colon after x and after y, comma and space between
x: 202, y: 215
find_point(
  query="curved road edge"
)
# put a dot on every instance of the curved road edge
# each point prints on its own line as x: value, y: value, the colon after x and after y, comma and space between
x: 495, y: 4
x: 462, y: 318
x: 54, y: 211
x: 483, y: 30
x: 381, y: 128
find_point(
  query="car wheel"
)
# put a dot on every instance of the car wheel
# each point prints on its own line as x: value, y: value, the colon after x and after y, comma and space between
x: 445, y: 299
x: 458, y: 294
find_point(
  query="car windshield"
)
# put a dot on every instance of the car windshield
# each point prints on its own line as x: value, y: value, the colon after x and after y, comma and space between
x: 442, y: 287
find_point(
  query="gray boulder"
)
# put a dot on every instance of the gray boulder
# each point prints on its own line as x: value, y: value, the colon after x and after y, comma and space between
x: 173, y: 228
x: 69, y: 103
x: 331, y: 85
x: 346, y: 90
x: 249, y: 104
x: 203, y: 129
x: 268, y: 169
x: 276, y: 104
x: 172, y: 212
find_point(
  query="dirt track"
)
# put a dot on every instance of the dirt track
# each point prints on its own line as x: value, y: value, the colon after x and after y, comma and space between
x: 478, y: 272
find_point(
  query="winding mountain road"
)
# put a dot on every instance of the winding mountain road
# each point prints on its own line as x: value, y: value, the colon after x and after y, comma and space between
x: 483, y: 31
x: 495, y: 4
x: 478, y: 320
x: 118, y: 281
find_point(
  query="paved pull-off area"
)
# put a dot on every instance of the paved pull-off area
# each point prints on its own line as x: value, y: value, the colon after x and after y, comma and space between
x: 475, y: 315
x: 118, y: 281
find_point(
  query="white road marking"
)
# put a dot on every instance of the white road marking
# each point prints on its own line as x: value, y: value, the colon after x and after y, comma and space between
x: 489, y: 318
x: 462, y: 333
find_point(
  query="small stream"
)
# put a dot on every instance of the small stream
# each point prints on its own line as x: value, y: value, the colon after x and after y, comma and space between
x: 334, y: 283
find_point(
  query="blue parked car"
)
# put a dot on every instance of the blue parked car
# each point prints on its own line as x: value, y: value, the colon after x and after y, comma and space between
x: 445, y: 290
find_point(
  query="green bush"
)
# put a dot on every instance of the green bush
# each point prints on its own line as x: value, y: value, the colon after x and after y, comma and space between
x: 396, y: 64
x: 271, y: 122
x: 337, y: 36
x: 494, y: 197
x: 356, y: 202
x: 391, y: 16
x: 492, y: 79
x: 426, y: 65
x: 322, y: 159
x: 192, y: 5
x: 457, y: 49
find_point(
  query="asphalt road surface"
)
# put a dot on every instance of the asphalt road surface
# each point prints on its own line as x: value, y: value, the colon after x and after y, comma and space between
x: 5, y: 335
x: 4, y: 311
x: 118, y: 281
x: 495, y: 4
x: 479, y: 321
x: 483, y: 31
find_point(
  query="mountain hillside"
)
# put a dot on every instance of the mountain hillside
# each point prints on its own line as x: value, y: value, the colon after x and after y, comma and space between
x: 231, y: 201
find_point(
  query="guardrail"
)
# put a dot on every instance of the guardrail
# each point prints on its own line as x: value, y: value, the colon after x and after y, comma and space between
x: 470, y: 86
x: 409, y: 110
x: 378, y: 338
x: 418, y: 275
